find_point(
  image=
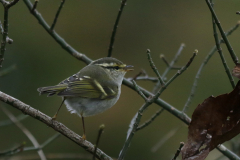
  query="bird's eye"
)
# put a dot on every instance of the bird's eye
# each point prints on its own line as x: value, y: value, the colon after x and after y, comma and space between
x: 116, y: 67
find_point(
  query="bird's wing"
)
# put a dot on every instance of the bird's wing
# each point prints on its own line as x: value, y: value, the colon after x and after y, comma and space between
x: 51, y: 90
x: 88, y: 88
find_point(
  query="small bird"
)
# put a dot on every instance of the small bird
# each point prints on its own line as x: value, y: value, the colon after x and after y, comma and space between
x: 94, y: 89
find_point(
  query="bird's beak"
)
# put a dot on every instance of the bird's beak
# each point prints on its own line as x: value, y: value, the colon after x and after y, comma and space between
x: 128, y: 68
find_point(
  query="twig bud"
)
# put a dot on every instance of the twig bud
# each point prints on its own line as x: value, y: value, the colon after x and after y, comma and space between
x: 161, y: 55
x: 102, y: 126
x: 9, y: 40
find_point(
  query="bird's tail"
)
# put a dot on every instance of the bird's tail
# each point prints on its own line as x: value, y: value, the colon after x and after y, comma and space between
x: 51, y: 90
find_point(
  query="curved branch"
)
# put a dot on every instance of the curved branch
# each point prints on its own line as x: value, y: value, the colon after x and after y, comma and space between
x: 57, y: 126
x: 25, y: 131
x: 183, y: 117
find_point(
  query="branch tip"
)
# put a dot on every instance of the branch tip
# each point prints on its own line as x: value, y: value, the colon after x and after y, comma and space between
x: 101, y: 127
x: 9, y: 40
x: 183, y: 45
x: 196, y: 51
x: 34, y: 6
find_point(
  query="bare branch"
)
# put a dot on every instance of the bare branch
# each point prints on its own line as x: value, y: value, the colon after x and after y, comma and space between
x: 213, y: 50
x: 221, y: 54
x: 178, y: 151
x: 34, y: 5
x: 136, y: 120
x: 13, y: 151
x: 48, y: 141
x: 154, y: 68
x: 7, y: 70
x: 145, y: 124
x: 4, y: 29
x: 142, y: 72
x: 57, y: 14
x: 163, y: 139
x: 101, y: 128
x: 138, y: 90
x: 25, y: 131
x: 59, y: 127
x: 170, y: 66
x: 87, y: 60
x: 229, y: 47
x: 144, y: 78
x: 53, y: 156
x: 227, y: 152
x: 57, y: 38
x: 167, y: 63
x: 12, y: 3
x: 9, y: 122
x: 123, y: 3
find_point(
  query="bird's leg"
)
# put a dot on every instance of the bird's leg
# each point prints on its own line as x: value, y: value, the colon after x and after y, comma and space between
x: 84, y: 135
x: 55, y: 116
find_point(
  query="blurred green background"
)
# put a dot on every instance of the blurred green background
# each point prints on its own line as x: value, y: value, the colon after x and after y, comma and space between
x: 87, y: 25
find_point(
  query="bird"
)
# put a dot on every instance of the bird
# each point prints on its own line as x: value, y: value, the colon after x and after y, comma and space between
x: 94, y: 89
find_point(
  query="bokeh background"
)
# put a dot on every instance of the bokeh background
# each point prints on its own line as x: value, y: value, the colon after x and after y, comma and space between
x: 87, y: 25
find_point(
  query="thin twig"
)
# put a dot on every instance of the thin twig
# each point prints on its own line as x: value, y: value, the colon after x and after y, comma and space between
x: 101, y: 128
x: 5, y: 39
x: 59, y: 127
x: 87, y: 60
x: 167, y: 63
x: 1, y: 28
x: 25, y: 131
x: 145, y: 124
x: 171, y: 109
x: 165, y: 138
x: 44, y: 144
x: 221, y: 54
x: 8, y: 40
x: 7, y: 70
x: 136, y: 120
x: 138, y: 90
x: 174, y: 60
x: 13, y: 151
x: 65, y: 156
x: 56, y: 37
x: 164, y: 60
x: 154, y: 68
x: 34, y: 5
x: 21, y: 149
x: 12, y: 3
x: 227, y: 152
x: 9, y: 122
x: 178, y: 151
x: 4, y: 36
x: 142, y: 72
x: 144, y: 78
x: 123, y: 3
x: 207, y: 58
x: 229, y: 47
x: 57, y: 14
x: 171, y: 64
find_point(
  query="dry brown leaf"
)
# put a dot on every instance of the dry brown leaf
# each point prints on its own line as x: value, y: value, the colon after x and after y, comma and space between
x: 214, y: 121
